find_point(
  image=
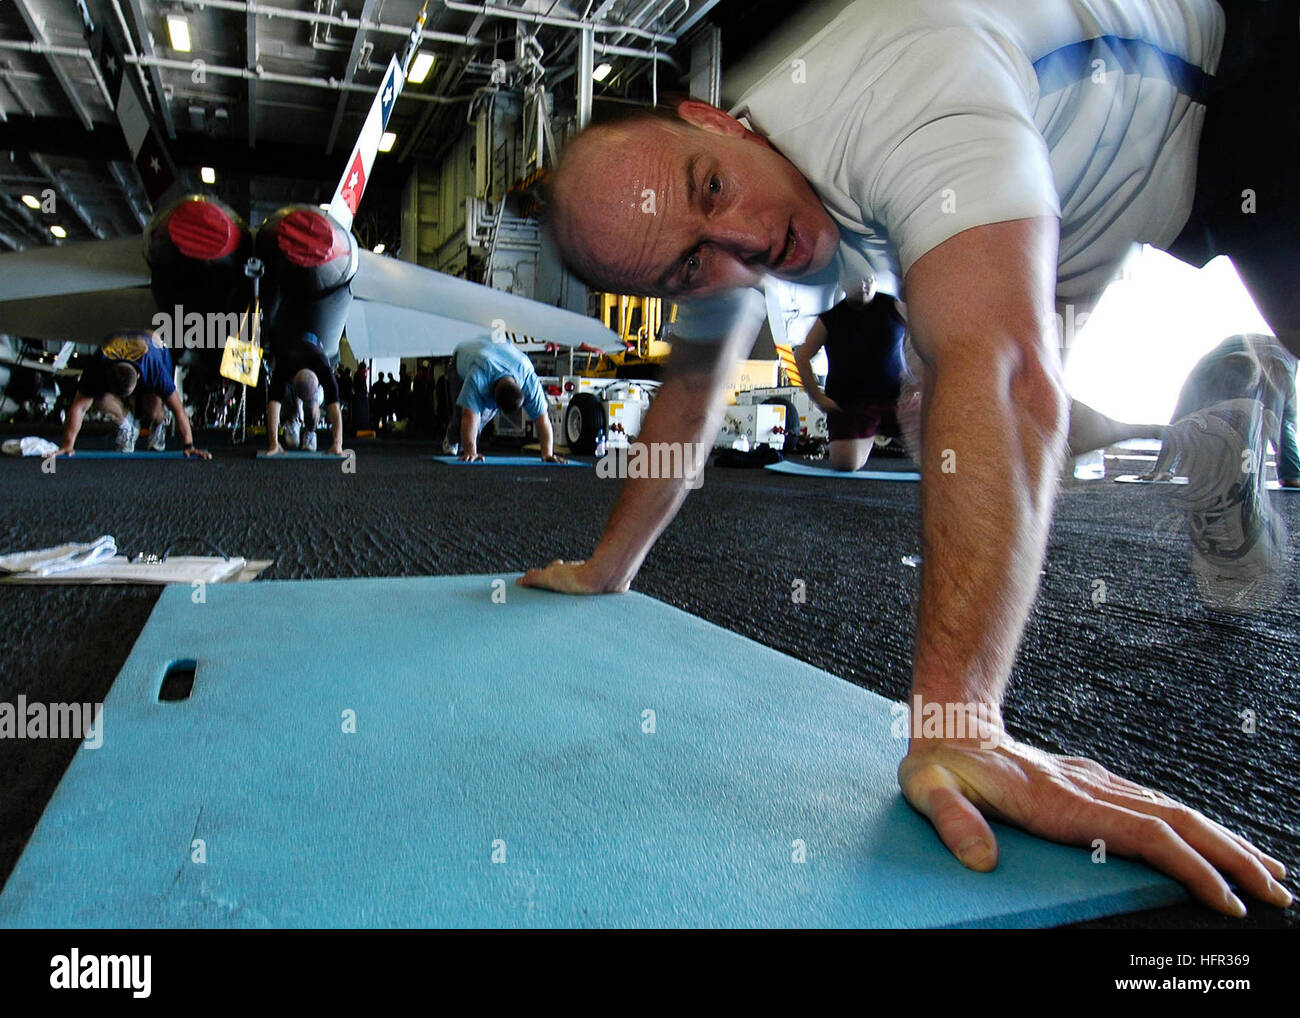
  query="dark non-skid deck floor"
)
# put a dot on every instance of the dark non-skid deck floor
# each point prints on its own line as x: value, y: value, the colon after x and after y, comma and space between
x: 1147, y: 681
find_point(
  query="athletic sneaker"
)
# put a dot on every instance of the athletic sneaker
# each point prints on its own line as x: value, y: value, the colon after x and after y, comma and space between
x: 1238, y: 543
x: 450, y: 448
x: 127, y: 433
x: 158, y: 437
x: 309, y: 440
x: 291, y: 429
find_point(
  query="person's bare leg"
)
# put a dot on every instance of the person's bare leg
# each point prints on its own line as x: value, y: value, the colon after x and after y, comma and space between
x: 850, y: 454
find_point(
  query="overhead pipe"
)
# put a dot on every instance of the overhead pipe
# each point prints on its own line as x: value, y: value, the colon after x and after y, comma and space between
x: 695, y: 18
x: 624, y: 51
x: 643, y: 16
x: 223, y: 71
x: 554, y: 22
x: 586, y: 65
x: 355, y: 24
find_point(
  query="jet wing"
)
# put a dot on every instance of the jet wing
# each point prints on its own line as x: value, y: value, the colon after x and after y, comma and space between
x: 75, y: 292
x: 80, y: 292
x: 405, y: 310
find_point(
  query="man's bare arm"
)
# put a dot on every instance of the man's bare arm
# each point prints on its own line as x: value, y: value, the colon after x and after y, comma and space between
x: 273, y: 426
x: 469, y: 435
x: 336, y: 428
x: 981, y: 311
x: 177, y: 406
x: 546, y: 438
x: 993, y: 437
x: 72, y: 427
x: 687, y: 410
x: 803, y: 355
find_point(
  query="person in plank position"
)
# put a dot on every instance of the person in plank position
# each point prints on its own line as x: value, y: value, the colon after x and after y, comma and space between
x: 985, y: 162
x: 131, y: 369
x: 304, y: 381
x: 490, y: 378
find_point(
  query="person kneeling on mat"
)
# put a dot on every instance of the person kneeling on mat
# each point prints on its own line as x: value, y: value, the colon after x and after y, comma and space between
x: 493, y: 378
x: 304, y: 380
x: 863, y: 338
x: 131, y: 367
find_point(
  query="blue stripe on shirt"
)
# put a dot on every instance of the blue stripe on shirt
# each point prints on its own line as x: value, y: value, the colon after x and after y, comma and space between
x: 1074, y: 63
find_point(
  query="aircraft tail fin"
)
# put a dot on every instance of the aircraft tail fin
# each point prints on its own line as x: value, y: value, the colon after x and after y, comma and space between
x: 352, y: 185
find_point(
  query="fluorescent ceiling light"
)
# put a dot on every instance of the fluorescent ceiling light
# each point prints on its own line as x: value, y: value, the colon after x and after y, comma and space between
x: 30, y: 201
x: 178, y: 28
x: 602, y: 72
x: 58, y: 231
x: 420, y: 68
x: 386, y: 141
x: 208, y: 174
x: 378, y: 249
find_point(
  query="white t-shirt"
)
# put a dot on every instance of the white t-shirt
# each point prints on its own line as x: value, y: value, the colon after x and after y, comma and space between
x: 914, y: 120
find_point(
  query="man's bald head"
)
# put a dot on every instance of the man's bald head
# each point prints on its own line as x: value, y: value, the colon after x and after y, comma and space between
x: 685, y: 203
x: 305, y: 383
x: 123, y: 378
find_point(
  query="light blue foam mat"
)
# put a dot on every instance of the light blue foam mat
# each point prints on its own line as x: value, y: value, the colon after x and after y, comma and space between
x: 298, y: 454
x: 547, y: 761
x: 110, y: 454
x: 807, y: 470
x: 509, y: 461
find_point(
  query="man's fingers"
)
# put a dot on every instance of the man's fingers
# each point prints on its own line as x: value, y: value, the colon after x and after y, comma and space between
x: 539, y: 577
x: 1230, y: 854
x: 1120, y: 790
x: 1150, y: 838
x: 935, y: 794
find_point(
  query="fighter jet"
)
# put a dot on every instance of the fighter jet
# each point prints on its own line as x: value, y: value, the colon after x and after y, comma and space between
x: 198, y: 261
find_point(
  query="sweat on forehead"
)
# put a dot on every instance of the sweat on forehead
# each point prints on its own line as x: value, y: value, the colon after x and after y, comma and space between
x: 598, y: 194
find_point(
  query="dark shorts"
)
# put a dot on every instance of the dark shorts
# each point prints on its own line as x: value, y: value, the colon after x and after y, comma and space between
x: 1247, y: 204
x: 865, y: 422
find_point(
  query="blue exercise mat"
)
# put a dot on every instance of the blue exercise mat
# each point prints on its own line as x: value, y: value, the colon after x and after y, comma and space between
x: 545, y: 762
x: 807, y: 470
x: 298, y: 454
x: 508, y: 461
x: 109, y: 454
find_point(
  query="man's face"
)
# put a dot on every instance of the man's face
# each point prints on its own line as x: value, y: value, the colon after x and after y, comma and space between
x: 686, y: 210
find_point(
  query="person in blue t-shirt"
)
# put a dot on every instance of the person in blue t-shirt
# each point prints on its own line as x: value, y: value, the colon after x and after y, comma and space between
x: 131, y: 366
x: 493, y: 378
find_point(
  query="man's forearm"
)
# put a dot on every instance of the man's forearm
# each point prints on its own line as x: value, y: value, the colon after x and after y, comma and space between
x: 645, y: 506
x: 686, y: 412
x: 273, y: 423
x: 336, y: 423
x: 468, y: 430
x: 807, y: 377
x: 182, y: 419
x: 993, y: 438
x: 72, y: 428
x: 545, y: 436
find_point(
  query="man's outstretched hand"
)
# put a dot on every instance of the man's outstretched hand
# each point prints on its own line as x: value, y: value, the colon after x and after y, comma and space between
x: 1077, y: 801
x: 568, y: 578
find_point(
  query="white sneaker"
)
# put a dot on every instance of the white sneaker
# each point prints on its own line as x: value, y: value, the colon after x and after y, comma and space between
x: 1238, y: 543
x: 291, y: 430
x: 127, y: 433
x: 308, y: 441
x: 450, y: 448
x: 158, y: 437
